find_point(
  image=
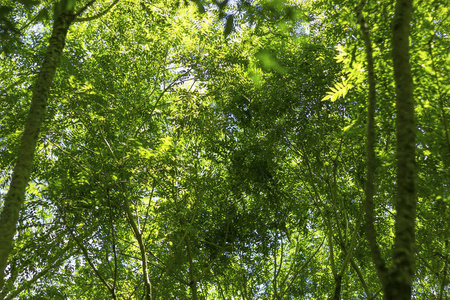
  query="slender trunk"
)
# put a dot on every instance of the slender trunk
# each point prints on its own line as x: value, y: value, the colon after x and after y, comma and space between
x: 401, y: 273
x: 337, y: 288
x: 444, y: 277
x: 336, y: 276
x: 348, y: 258
x: 22, y: 170
x: 144, y: 258
x: 192, y: 279
x: 380, y: 265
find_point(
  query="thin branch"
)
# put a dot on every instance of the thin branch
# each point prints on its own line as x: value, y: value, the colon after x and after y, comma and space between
x: 86, y: 256
x: 28, y: 284
x: 84, y: 8
x: 303, y: 267
x: 99, y: 15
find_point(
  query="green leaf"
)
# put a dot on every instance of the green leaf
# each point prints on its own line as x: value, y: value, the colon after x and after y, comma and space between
x: 340, y: 89
x: 269, y: 61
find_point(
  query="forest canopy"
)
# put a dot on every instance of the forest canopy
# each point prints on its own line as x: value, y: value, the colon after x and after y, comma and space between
x: 245, y: 149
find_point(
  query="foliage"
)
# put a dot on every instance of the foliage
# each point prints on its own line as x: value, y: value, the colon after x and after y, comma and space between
x: 216, y: 150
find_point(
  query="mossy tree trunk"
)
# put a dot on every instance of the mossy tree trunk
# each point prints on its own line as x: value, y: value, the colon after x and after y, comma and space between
x: 16, y: 194
x: 397, y: 279
x: 400, y: 277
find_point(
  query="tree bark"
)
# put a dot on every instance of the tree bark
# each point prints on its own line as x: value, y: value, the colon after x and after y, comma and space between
x: 400, y: 277
x: 22, y: 170
x: 371, y: 234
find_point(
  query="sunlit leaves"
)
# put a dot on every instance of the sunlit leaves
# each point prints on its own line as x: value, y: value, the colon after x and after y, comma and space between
x: 340, y: 89
x: 210, y: 128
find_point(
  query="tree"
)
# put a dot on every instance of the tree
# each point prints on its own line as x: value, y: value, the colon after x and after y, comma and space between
x: 16, y: 193
x: 400, y: 278
x: 397, y: 279
x: 226, y: 150
x: 64, y: 15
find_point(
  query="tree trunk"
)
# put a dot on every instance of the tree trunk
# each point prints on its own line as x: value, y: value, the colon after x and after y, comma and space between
x: 337, y: 288
x: 371, y: 234
x: 400, y: 277
x: 22, y: 170
x: 192, y: 279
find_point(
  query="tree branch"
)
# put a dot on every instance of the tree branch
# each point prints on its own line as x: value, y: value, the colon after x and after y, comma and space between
x: 99, y: 15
